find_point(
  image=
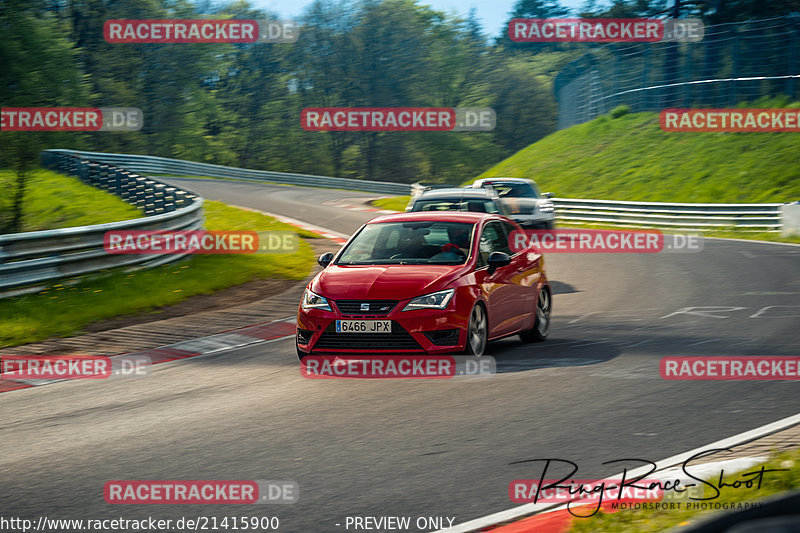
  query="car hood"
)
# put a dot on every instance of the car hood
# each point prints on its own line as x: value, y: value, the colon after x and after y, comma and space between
x: 520, y: 205
x: 383, y: 282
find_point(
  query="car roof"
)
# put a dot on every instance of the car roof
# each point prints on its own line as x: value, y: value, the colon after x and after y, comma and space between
x: 456, y: 193
x: 470, y: 217
x: 520, y: 180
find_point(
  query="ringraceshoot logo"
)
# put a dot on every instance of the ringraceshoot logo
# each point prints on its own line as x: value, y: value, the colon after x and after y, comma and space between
x: 174, y: 31
x: 70, y: 119
x: 730, y: 120
x: 398, y: 119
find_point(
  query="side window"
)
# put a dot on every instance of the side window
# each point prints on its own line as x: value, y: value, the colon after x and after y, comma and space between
x: 510, y: 228
x: 493, y: 239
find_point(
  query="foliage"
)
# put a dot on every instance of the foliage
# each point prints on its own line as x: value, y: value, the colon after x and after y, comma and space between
x: 239, y: 104
x: 631, y: 158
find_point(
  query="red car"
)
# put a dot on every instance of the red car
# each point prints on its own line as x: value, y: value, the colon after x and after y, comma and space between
x: 428, y: 282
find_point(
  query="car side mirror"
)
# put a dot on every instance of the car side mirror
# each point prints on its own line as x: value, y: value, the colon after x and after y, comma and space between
x: 497, y: 260
x: 547, y: 195
x: 325, y: 259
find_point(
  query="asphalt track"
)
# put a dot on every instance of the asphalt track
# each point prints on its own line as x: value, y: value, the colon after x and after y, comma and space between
x: 419, y: 448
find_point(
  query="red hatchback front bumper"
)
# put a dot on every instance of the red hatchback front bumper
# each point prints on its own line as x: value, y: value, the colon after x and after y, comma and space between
x: 431, y: 331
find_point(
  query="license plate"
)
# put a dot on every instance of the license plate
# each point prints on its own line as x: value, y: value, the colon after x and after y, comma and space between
x: 363, y: 326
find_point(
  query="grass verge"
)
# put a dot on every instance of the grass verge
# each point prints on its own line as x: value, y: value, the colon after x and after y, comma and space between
x: 62, y: 310
x: 395, y: 203
x: 636, y: 521
x: 629, y: 157
x: 54, y: 201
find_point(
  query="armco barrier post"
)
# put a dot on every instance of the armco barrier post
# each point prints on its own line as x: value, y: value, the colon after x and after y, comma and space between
x: 790, y: 219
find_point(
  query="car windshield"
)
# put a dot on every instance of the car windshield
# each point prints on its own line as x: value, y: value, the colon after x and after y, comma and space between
x: 478, y: 205
x: 420, y: 243
x: 515, y: 189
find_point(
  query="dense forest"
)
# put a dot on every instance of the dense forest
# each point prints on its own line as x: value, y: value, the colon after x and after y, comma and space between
x: 239, y: 104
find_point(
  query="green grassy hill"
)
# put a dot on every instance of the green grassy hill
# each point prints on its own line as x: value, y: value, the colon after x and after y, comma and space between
x: 630, y: 158
x: 55, y: 201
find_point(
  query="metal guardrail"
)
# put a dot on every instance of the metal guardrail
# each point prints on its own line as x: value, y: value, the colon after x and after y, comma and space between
x: 670, y: 215
x: 648, y: 214
x: 40, y: 256
x: 163, y: 165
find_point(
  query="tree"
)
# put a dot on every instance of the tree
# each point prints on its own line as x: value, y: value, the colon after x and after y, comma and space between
x: 39, y: 70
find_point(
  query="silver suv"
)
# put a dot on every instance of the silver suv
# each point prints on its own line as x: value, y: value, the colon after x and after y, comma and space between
x: 527, y: 206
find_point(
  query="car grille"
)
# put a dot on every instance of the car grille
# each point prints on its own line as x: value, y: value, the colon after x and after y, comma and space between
x: 376, y: 307
x: 398, y: 339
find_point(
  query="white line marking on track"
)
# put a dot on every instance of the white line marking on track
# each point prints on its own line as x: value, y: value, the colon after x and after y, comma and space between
x: 703, y: 342
x: 533, y: 508
x: 762, y: 310
x: 295, y: 222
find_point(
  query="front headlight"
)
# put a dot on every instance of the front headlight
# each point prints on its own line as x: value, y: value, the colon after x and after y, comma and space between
x: 434, y: 300
x: 547, y: 207
x: 314, y: 301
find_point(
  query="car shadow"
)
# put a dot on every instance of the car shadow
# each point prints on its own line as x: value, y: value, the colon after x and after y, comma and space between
x: 511, y: 355
x: 559, y: 287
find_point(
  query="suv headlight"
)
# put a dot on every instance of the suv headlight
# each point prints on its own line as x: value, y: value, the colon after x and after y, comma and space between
x: 547, y: 207
x: 314, y: 301
x: 434, y: 300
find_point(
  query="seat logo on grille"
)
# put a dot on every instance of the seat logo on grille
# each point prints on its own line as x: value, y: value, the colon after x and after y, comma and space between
x: 365, y: 307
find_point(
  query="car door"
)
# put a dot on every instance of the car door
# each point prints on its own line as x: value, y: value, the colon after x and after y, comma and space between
x: 527, y: 265
x: 498, y: 287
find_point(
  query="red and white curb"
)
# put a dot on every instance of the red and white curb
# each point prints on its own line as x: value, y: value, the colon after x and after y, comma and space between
x: 335, y: 236
x: 554, y: 517
x: 211, y: 344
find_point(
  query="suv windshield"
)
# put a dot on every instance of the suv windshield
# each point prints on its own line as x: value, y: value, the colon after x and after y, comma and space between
x: 423, y: 242
x: 515, y: 189
x: 477, y: 205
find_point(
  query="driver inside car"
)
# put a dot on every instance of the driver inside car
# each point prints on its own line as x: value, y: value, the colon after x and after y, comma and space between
x: 459, y: 240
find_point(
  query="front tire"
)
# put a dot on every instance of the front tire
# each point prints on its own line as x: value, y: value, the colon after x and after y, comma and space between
x: 541, y: 326
x: 477, y: 331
